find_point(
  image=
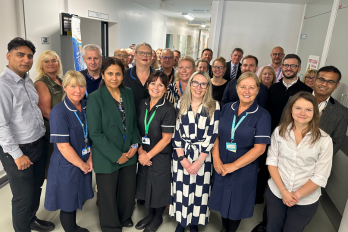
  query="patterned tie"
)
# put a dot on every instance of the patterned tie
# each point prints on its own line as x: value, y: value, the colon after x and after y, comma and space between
x: 234, y: 70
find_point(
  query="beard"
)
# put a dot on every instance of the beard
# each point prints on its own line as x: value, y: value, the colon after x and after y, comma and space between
x: 291, y: 76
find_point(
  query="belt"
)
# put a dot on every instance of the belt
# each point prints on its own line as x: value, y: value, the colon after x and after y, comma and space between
x: 30, y: 144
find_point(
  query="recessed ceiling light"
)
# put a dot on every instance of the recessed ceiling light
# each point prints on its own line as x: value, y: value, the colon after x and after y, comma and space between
x: 188, y: 16
x: 203, y: 25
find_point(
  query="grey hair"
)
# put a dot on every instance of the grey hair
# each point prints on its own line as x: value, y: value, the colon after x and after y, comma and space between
x: 142, y: 44
x: 167, y: 49
x: 91, y: 47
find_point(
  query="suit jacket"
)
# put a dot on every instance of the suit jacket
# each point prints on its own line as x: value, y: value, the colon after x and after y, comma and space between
x: 227, y: 75
x: 334, y: 121
x: 106, y: 129
x: 210, y: 71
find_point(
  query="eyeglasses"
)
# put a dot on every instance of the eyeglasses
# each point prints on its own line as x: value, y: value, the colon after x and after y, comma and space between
x: 310, y: 78
x: 167, y: 57
x: 292, y: 66
x: 218, y: 67
x: 122, y: 56
x: 203, y: 85
x: 145, y: 53
x: 321, y: 80
x: 277, y: 54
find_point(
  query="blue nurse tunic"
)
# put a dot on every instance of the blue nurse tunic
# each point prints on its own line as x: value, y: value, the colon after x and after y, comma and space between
x: 233, y: 195
x: 67, y: 186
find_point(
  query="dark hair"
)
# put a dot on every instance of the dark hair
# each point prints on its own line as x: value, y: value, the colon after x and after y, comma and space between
x: 207, y: 49
x: 238, y: 50
x: 158, y: 74
x: 252, y: 57
x: 313, y: 126
x: 177, y: 51
x: 19, y: 42
x: 330, y: 69
x: 293, y: 56
x: 107, y: 62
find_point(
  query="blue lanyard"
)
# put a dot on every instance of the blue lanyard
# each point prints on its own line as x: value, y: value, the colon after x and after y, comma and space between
x: 85, y: 131
x: 180, y: 87
x: 234, y: 128
x: 278, y: 72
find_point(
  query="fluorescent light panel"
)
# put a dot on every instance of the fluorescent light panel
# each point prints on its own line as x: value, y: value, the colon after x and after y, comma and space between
x: 188, y: 16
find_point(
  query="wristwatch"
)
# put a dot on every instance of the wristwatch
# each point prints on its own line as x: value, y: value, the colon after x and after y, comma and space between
x: 134, y: 146
x: 180, y: 158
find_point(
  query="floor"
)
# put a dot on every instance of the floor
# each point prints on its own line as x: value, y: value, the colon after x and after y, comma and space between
x: 88, y: 217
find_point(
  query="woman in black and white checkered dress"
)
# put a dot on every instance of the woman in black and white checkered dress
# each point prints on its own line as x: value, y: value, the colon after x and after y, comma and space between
x: 194, y: 136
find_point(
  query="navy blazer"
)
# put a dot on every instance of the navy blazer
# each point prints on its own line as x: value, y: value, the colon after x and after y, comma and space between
x: 230, y: 94
x: 227, y: 75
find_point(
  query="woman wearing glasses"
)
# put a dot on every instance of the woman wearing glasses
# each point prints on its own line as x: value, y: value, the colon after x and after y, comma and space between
x: 136, y: 77
x: 186, y: 66
x: 309, y: 78
x: 195, y: 133
x: 218, y: 83
x: 122, y: 55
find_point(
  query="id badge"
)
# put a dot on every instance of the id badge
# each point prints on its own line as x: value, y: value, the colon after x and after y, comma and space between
x: 145, y: 140
x: 231, y: 147
x: 86, y: 151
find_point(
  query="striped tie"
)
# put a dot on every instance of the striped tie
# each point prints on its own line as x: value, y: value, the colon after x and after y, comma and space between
x: 234, y: 70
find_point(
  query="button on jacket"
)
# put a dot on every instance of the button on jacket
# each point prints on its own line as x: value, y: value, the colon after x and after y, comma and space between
x: 299, y: 164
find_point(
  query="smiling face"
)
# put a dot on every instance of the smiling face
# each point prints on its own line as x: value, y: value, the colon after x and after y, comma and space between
x: 309, y: 81
x: 154, y: 57
x: 202, y: 66
x: 218, y: 69
x: 92, y: 60
x: 156, y: 89
x: 290, y: 72
x: 302, y: 111
x: 324, y: 89
x: 113, y: 76
x: 185, y: 70
x: 176, y: 58
x: 123, y: 56
x: 236, y: 57
x: 167, y: 59
x: 277, y: 55
x: 249, y: 65
x: 207, y: 55
x: 20, y: 60
x: 75, y: 92
x: 267, y: 77
x: 198, y: 92
x: 50, y: 66
x: 247, y: 91
x: 143, y: 55
x: 130, y: 56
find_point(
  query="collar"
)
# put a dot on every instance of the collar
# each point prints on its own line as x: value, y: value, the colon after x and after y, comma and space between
x: 232, y: 65
x: 92, y: 78
x: 172, y: 72
x: 14, y: 75
x: 327, y: 99
x: 291, y: 131
x: 159, y: 103
x: 289, y: 85
x: 133, y: 74
x: 70, y: 106
x: 252, y: 109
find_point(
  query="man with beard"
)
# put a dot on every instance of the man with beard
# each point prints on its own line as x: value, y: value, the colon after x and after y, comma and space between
x: 278, y: 96
x: 277, y: 55
x: 177, y: 55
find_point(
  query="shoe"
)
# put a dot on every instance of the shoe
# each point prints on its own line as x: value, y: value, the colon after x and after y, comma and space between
x: 41, y: 225
x: 148, y: 229
x: 259, y: 200
x: 80, y: 229
x: 223, y: 230
x: 141, y: 202
x: 142, y: 223
x: 128, y: 223
x: 179, y: 228
x: 260, y: 227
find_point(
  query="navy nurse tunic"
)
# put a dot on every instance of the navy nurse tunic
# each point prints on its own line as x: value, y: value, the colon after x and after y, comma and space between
x: 67, y: 186
x: 233, y: 195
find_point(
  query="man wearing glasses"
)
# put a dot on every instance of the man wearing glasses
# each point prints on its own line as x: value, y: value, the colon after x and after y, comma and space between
x: 167, y: 61
x: 277, y: 56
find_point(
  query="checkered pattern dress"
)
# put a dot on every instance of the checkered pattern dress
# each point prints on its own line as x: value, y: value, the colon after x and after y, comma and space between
x: 190, y: 193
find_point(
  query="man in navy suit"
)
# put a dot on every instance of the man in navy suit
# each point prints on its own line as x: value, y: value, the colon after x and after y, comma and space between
x: 233, y: 67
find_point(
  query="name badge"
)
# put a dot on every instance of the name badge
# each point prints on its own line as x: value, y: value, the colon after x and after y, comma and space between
x: 86, y: 151
x: 231, y: 147
x: 145, y: 140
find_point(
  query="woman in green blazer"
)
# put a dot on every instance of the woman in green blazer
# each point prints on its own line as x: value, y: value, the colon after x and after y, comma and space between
x: 112, y: 123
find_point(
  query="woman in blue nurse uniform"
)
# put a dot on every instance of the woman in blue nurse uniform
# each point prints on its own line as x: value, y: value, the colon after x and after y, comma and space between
x: 69, y: 178
x: 244, y: 131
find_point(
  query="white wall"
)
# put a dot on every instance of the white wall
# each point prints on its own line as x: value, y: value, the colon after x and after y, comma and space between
x: 258, y: 27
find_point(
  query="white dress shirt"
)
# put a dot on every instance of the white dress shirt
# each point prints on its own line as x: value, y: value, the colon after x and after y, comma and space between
x: 299, y: 164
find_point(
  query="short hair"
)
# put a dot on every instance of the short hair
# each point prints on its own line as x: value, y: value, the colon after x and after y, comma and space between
x: 251, y: 57
x: 132, y: 45
x: 75, y: 78
x: 222, y: 60
x: 238, y: 50
x: 128, y: 50
x: 91, y: 47
x: 178, y: 52
x: 167, y: 49
x: 107, y: 62
x: 158, y: 74
x: 272, y: 71
x: 247, y: 75
x: 330, y: 68
x: 19, y: 42
x: 47, y: 55
x: 159, y: 49
x: 121, y: 50
x: 207, y: 49
x: 202, y: 60
x: 292, y: 56
x: 309, y: 72
x: 142, y: 44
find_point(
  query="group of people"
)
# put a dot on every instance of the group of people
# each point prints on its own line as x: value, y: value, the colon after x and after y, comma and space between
x: 167, y: 131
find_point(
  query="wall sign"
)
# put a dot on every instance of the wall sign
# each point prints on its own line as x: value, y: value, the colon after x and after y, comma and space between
x: 98, y: 15
x: 45, y: 40
x: 313, y: 62
x: 303, y: 36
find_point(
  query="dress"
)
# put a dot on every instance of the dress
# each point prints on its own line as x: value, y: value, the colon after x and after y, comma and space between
x: 233, y: 195
x: 218, y: 91
x: 153, y: 182
x: 67, y: 186
x: 172, y: 93
x: 190, y: 193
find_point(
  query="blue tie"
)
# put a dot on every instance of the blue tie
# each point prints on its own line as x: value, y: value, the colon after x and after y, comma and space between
x: 234, y: 70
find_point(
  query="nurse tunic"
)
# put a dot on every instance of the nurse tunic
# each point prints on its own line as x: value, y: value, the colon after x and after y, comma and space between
x: 153, y: 182
x: 190, y: 193
x: 233, y: 195
x: 67, y: 186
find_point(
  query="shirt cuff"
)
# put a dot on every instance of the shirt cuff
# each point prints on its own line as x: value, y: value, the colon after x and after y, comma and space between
x: 262, y: 139
x: 167, y: 129
x: 273, y: 161
x: 319, y: 180
x: 17, y: 153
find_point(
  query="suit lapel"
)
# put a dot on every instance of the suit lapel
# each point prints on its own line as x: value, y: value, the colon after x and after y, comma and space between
x: 111, y: 105
x: 325, y: 116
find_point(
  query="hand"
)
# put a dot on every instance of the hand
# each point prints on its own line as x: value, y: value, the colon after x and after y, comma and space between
x: 149, y: 163
x: 297, y: 195
x: 131, y: 152
x: 185, y: 163
x: 289, y: 198
x: 90, y: 163
x: 218, y: 166
x: 193, y: 169
x: 123, y: 159
x: 144, y: 158
x: 23, y: 162
x: 84, y: 167
x: 228, y: 168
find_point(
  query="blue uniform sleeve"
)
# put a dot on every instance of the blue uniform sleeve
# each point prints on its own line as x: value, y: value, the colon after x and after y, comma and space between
x: 226, y: 96
x: 59, y: 127
x: 263, y: 129
x: 262, y: 96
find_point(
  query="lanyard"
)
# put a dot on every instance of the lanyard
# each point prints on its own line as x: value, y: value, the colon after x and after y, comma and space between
x: 280, y: 70
x: 180, y: 87
x: 148, y: 124
x: 85, y: 132
x: 234, y: 128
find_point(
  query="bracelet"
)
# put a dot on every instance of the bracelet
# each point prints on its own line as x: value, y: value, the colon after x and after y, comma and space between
x: 199, y: 158
x: 199, y: 162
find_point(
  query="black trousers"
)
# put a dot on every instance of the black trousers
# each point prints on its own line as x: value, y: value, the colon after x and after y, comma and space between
x: 25, y: 185
x: 116, y: 196
x: 287, y: 219
x: 262, y: 177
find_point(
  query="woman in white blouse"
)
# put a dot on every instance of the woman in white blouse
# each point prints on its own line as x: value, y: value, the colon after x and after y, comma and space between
x: 299, y: 161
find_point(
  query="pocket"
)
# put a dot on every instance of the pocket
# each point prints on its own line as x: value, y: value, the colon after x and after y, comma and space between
x: 247, y: 137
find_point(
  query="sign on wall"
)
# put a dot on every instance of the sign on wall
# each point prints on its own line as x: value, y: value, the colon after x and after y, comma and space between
x: 77, y: 44
x: 313, y: 62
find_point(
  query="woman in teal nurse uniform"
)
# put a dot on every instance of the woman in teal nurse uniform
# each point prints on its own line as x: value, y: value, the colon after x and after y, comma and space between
x: 244, y: 131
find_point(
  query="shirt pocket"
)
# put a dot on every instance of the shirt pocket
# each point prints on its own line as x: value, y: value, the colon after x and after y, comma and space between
x: 247, y: 136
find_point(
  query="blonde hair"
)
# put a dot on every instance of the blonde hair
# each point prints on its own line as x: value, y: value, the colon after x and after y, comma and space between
x: 47, y: 55
x: 74, y: 78
x: 155, y: 63
x: 208, y: 102
x: 308, y: 73
x: 247, y: 75
x: 187, y: 58
x: 272, y: 71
